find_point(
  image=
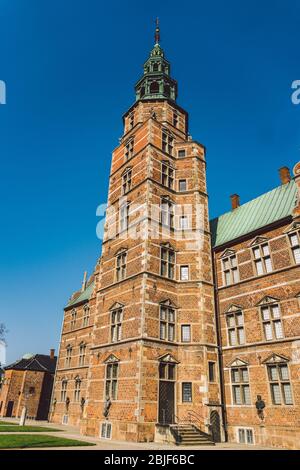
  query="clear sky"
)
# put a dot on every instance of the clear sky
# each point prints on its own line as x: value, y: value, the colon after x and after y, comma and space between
x: 70, y: 67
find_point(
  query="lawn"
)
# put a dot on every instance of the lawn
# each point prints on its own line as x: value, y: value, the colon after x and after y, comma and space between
x: 17, y: 428
x: 7, y: 423
x: 21, y: 441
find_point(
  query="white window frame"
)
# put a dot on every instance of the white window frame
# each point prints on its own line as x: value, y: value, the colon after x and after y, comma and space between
x: 271, y: 320
x: 230, y: 269
x: 245, y: 429
x: 295, y: 247
x: 263, y: 256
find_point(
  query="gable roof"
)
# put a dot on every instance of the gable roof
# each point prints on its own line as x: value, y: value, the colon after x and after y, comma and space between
x: 37, y: 362
x: 85, y: 295
x: 264, y: 210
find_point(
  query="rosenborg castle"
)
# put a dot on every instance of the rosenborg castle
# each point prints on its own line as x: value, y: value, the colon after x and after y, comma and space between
x: 188, y: 330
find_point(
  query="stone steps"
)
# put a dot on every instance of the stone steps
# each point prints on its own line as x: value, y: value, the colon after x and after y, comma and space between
x: 188, y: 435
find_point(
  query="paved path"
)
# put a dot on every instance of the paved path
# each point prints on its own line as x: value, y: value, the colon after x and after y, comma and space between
x: 72, y: 432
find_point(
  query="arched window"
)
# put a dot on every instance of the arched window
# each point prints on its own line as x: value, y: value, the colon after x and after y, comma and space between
x: 154, y: 87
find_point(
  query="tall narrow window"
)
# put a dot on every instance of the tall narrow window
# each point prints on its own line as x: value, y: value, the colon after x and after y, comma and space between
x: 68, y: 356
x: 280, y: 385
x: 73, y: 319
x: 126, y: 181
x: 111, y: 381
x: 271, y: 320
x: 262, y: 259
x: 295, y: 246
x: 184, y: 273
x: 167, y: 142
x: 86, y: 316
x: 121, y: 265
x: 211, y: 371
x: 131, y: 120
x: 235, y: 327
x: 183, y: 222
x: 167, y: 262
x: 63, y: 392
x: 167, y: 323
x: 186, y: 333
x: 182, y: 185
x: 116, y: 324
x: 175, y: 119
x: 124, y: 216
x: 187, y: 392
x: 167, y: 175
x: 82, y: 352
x: 230, y: 270
x: 77, y: 390
x: 240, y: 386
x: 167, y: 212
x: 129, y: 149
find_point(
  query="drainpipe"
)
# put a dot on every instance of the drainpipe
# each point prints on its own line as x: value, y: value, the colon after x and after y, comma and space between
x: 220, y: 352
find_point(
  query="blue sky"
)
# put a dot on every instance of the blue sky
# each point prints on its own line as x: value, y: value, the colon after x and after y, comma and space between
x: 70, y: 68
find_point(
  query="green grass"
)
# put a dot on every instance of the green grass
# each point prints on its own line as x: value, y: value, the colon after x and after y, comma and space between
x: 16, y: 428
x: 7, y: 423
x: 21, y: 441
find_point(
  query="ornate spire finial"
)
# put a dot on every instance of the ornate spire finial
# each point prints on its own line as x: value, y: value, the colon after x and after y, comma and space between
x: 157, y: 32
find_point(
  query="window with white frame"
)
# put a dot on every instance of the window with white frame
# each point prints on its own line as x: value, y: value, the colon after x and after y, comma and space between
x: 129, y: 149
x: 111, y: 382
x: 121, y: 263
x: 77, y: 389
x: 240, y: 386
x: 167, y: 212
x: 73, y: 319
x: 68, y: 356
x: 184, y: 273
x: 186, y: 333
x: 262, y: 259
x: 230, y: 270
x: 183, y: 222
x: 235, y: 328
x: 116, y: 324
x: 167, y: 142
x: 86, y: 316
x: 167, y: 323
x: 124, y: 216
x: 63, y: 392
x: 106, y: 430
x: 167, y: 262
x: 271, y: 320
x: 245, y: 436
x: 167, y: 175
x: 82, y: 353
x: 126, y: 181
x: 295, y: 246
x: 280, y: 385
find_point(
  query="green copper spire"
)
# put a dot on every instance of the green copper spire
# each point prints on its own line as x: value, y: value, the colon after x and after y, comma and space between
x: 156, y: 82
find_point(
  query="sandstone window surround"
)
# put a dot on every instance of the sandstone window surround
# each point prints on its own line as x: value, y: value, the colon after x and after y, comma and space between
x: 77, y: 390
x: 73, y: 318
x: 294, y: 239
x: 271, y: 318
x: 167, y: 174
x: 240, y: 385
x: 183, y: 222
x: 230, y: 268
x: 121, y: 264
x: 86, y: 316
x: 181, y: 153
x: 167, y: 261
x: 186, y: 394
x: 184, y: 272
x: 126, y: 180
x: 111, y: 382
x: 245, y: 436
x: 167, y: 320
x: 63, y: 391
x: 116, y: 316
x: 68, y: 358
x: 82, y: 354
x: 167, y: 212
x: 182, y: 185
x: 124, y: 216
x: 186, y: 333
x: 262, y: 259
x: 211, y: 371
x: 167, y: 142
x: 106, y: 430
x: 279, y: 380
x: 235, y: 326
x: 129, y: 148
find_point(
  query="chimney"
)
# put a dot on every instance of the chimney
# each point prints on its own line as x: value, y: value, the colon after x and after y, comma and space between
x: 235, y: 201
x: 284, y: 173
x: 52, y: 352
x: 84, y: 281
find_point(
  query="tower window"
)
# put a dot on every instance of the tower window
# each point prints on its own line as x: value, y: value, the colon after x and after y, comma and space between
x: 124, y: 216
x: 187, y: 392
x: 235, y: 327
x: 175, y: 117
x: 63, y: 392
x: 167, y: 323
x: 240, y: 386
x: 211, y: 371
x: 280, y: 385
x: 167, y: 262
x: 167, y: 212
x: 271, y: 320
x: 142, y: 92
x: 184, y: 273
x: 68, y: 356
x: 129, y: 149
x: 230, y: 270
x: 295, y: 245
x: 182, y: 185
x: 126, y: 181
x: 154, y: 87
x: 167, y: 142
x: 262, y: 259
x: 183, y: 222
x: 121, y: 265
x: 131, y: 120
x: 77, y: 390
x: 86, y: 316
x: 111, y: 381
x: 167, y: 90
x: 167, y: 175
x: 73, y: 319
x: 155, y: 67
x: 185, y: 333
x: 82, y: 352
x: 116, y: 324
x: 181, y: 153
